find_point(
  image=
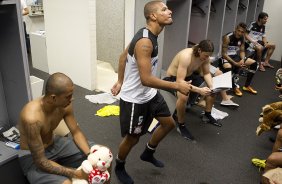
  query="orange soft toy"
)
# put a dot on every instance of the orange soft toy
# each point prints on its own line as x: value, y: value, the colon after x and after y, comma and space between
x: 271, y: 116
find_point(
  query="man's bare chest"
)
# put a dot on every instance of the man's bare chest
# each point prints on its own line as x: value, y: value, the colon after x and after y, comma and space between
x: 194, y: 67
x: 51, y: 121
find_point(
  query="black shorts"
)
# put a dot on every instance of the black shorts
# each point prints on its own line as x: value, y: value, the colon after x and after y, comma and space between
x: 197, y: 80
x: 236, y: 58
x: 135, y: 119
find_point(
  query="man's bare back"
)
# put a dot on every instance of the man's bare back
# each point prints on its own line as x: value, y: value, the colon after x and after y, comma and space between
x: 45, y: 122
x: 187, y: 60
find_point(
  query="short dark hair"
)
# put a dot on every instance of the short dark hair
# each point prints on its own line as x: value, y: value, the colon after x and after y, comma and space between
x: 242, y: 25
x: 262, y: 15
x: 205, y: 46
x: 57, y: 84
x: 150, y: 8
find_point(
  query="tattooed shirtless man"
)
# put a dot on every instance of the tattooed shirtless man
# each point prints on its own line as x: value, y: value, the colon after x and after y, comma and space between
x: 44, y: 157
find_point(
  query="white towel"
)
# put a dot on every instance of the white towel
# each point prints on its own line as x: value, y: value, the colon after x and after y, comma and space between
x: 102, y: 98
x: 217, y: 114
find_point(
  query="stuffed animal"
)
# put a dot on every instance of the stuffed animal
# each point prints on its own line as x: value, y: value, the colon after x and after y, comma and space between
x: 271, y: 116
x: 96, y: 165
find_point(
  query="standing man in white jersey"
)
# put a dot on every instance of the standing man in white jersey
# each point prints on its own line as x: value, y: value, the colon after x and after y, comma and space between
x: 140, y: 101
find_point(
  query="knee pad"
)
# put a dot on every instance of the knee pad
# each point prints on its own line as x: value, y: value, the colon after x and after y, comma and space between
x: 235, y: 78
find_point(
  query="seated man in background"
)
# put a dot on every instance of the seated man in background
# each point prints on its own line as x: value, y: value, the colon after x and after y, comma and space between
x: 234, y: 58
x: 46, y: 158
x: 256, y: 39
x: 186, y: 66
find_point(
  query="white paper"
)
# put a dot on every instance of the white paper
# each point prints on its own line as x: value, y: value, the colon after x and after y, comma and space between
x: 222, y: 82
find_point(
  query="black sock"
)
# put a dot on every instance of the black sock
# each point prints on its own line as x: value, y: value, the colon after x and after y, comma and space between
x: 181, y: 125
x: 207, y: 113
x: 209, y: 116
x: 249, y: 79
x: 121, y: 172
x: 174, y: 115
x: 147, y: 156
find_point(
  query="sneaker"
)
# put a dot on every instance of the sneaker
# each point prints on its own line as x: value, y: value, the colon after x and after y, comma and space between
x: 259, y: 163
x: 250, y: 89
x: 237, y: 92
x: 184, y: 132
x: 228, y: 103
x: 207, y: 118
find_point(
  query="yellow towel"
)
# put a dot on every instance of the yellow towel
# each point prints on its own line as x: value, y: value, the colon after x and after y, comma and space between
x: 108, y: 110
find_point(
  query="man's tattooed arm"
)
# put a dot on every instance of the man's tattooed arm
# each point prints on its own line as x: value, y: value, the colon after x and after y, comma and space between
x: 37, y: 150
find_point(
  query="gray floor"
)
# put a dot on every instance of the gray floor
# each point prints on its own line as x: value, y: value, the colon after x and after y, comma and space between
x: 220, y: 155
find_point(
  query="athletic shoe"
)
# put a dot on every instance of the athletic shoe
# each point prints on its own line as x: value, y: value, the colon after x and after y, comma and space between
x: 228, y: 103
x: 184, y: 132
x: 237, y: 92
x: 207, y: 118
x: 259, y: 163
x: 250, y: 89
